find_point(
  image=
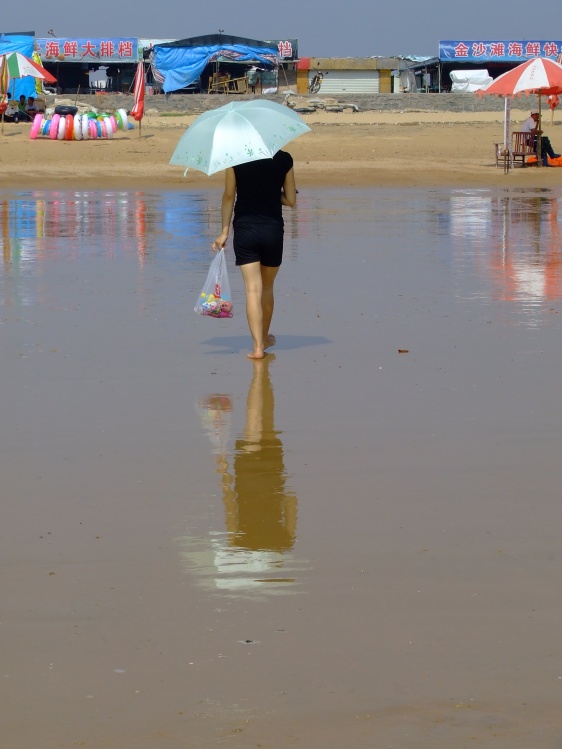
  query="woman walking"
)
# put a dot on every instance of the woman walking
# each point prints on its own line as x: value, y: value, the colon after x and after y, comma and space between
x: 255, y: 193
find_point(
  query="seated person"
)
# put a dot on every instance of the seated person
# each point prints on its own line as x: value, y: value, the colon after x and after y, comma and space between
x: 32, y: 107
x: 11, y: 113
x: 531, y: 125
x: 22, y: 108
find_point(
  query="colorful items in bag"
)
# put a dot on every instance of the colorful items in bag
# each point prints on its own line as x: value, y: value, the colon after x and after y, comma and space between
x: 214, y: 306
x: 215, y: 297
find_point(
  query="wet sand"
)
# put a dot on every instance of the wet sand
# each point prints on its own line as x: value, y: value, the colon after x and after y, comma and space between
x: 403, y: 588
x: 361, y: 149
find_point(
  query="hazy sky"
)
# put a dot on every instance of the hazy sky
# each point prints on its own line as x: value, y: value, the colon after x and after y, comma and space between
x: 350, y: 28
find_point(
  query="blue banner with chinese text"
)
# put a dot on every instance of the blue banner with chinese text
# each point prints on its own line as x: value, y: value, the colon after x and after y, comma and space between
x: 465, y: 50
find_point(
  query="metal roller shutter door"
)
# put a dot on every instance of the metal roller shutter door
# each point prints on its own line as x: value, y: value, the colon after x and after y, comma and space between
x: 348, y: 81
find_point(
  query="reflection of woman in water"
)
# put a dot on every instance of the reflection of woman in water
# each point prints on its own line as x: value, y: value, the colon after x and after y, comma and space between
x: 260, y: 513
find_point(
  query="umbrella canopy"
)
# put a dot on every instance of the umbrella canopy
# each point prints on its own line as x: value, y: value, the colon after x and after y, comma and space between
x: 541, y: 76
x: 19, y: 66
x: 237, y: 133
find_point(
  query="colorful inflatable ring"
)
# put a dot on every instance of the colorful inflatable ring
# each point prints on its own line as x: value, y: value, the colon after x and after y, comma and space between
x: 46, y: 129
x: 93, y: 129
x: 36, y: 126
x: 85, y: 127
x: 108, y: 128
x: 118, y: 120
x: 62, y: 125
x: 53, y: 132
x: 124, y: 119
x: 77, y: 127
x: 69, y: 129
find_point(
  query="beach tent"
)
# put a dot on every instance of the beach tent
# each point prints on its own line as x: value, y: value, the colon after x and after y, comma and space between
x: 182, y: 62
x: 469, y: 81
x: 24, y: 43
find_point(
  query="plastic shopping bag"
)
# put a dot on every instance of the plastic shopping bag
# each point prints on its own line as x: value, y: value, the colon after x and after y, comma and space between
x: 215, y: 299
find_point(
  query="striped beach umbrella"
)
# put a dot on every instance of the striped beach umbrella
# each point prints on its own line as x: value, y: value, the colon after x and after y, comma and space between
x: 4, y: 79
x: 137, y: 112
x: 4, y: 83
x: 19, y: 66
x: 540, y: 75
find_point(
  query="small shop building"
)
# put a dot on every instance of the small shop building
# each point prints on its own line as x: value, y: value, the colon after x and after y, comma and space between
x: 345, y: 75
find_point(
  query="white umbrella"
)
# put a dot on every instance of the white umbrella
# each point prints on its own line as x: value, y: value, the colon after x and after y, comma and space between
x: 237, y: 133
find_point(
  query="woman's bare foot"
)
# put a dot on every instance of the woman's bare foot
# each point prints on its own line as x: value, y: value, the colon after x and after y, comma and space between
x: 257, y: 355
x: 270, y: 341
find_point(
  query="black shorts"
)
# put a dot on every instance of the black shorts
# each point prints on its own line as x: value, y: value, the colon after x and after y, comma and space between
x: 258, y: 241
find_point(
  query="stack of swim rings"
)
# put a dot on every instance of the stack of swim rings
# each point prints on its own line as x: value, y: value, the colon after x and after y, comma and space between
x: 79, y: 126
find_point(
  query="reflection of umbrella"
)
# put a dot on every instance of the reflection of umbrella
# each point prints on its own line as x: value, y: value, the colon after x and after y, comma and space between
x: 237, y: 133
x: 19, y: 66
x: 540, y: 76
x: 137, y: 111
x: 553, y: 101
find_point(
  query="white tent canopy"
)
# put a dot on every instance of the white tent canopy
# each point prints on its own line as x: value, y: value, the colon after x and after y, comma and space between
x: 469, y: 81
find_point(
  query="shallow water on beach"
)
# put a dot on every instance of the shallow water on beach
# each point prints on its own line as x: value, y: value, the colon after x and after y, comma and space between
x: 352, y: 543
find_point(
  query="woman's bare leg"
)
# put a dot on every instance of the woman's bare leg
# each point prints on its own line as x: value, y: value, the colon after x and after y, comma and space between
x: 268, y: 276
x: 252, y: 277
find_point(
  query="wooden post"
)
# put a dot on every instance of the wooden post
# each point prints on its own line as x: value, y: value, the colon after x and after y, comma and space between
x: 539, y: 136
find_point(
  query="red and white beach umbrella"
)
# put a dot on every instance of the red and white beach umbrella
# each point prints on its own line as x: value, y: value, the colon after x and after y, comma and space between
x: 19, y: 66
x: 541, y: 76
x: 137, y: 112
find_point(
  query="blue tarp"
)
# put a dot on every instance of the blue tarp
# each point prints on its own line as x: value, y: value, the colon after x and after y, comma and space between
x: 181, y: 66
x: 25, y: 45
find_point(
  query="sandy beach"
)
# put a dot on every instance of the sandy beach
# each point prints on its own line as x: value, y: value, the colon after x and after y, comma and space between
x: 351, y: 543
x: 347, y: 148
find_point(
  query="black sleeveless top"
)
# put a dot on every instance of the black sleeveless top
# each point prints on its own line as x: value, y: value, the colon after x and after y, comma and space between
x: 258, y: 186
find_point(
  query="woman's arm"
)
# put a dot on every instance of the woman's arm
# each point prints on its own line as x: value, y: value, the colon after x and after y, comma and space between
x: 289, y: 194
x: 227, y: 207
